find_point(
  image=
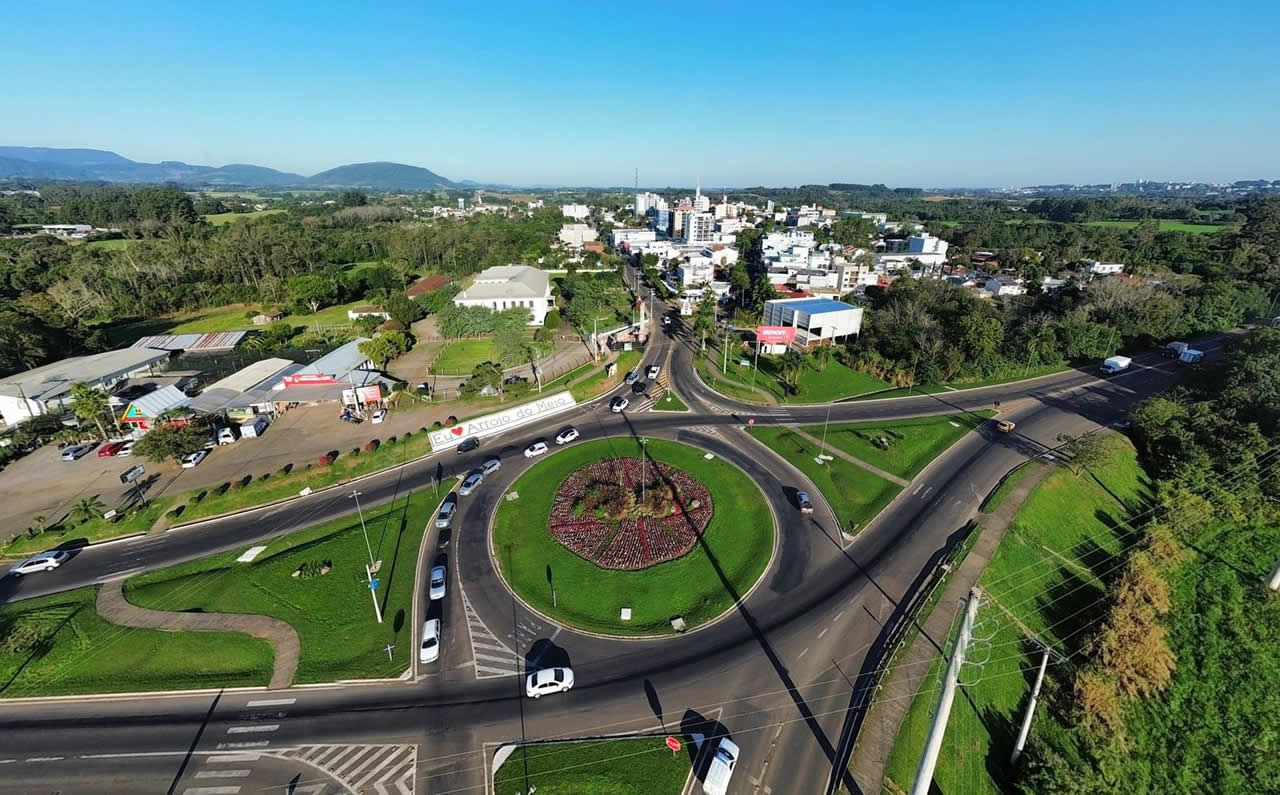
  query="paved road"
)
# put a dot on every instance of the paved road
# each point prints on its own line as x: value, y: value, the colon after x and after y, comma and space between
x: 779, y: 673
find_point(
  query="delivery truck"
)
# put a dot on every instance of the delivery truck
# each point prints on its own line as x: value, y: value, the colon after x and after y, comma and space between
x: 1114, y: 364
x: 254, y: 427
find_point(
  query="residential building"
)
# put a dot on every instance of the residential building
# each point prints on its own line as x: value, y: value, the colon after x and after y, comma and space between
x: 142, y: 411
x: 649, y: 201
x: 578, y: 212
x: 700, y: 229
x: 367, y: 310
x: 632, y: 235
x: 701, y: 203
x: 68, y: 231
x: 266, y: 318
x: 48, y: 389
x: 925, y: 249
x: 1104, y: 268
x: 508, y: 286
x: 999, y: 288
x: 575, y: 235
x: 816, y: 320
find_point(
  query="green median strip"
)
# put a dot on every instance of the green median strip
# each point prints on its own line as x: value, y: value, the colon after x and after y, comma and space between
x: 903, y: 447
x: 640, y: 766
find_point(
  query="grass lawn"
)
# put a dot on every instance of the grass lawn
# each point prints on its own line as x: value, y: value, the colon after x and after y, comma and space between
x: 992, y: 503
x: 269, y: 486
x: 134, y: 521
x: 110, y: 245
x: 218, y: 219
x: 83, y: 653
x: 461, y: 356
x: 1166, y: 225
x: 913, y: 443
x: 332, y: 613
x: 855, y: 494
x: 740, y: 537
x: 669, y: 401
x: 599, y: 383
x: 1047, y: 571
x: 834, y: 382
x: 974, y: 383
x: 728, y: 385
x: 640, y: 766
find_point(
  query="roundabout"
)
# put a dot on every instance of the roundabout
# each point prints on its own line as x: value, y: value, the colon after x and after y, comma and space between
x: 652, y: 527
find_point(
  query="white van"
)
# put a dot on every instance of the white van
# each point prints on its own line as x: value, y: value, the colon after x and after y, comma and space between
x: 254, y: 427
x: 227, y: 435
x: 721, y: 768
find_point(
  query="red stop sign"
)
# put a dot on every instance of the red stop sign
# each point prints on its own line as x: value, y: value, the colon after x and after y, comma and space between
x: 751, y: 420
x: 673, y: 744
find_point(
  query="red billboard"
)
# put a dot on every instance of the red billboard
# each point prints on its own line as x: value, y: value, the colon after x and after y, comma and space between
x: 309, y: 379
x: 370, y: 394
x: 776, y: 334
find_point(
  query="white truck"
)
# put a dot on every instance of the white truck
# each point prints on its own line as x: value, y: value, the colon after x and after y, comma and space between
x: 254, y: 427
x: 1114, y: 364
x: 228, y: 435
x: 1191, y: 356
x: 1174, y: 349
x: 721, y: 768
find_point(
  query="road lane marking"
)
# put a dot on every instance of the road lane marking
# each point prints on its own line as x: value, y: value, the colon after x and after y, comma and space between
x: 210, y: 791
x: 7, y: 761
x: 806, y: 651
x: 823, y: 632
x: 237, y: 773
x: 45, y: 758
x: 838, y: 617
x: 232, y: 758
x: 229, y: 746
x: 271, y: 702
x: 118, y: 575
x: 266, y: 727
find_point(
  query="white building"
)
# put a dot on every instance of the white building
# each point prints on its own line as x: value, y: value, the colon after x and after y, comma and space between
x: 926, y: 249
x: 68, y: 231
x: 701, y: 203
x: 48, y: 389
x: 699, y: 229
x: 632, y: 236
x: 1104, y: 268
x: 816, y: 320
x: 578, y: 212
x: 998, y: 288
x: 509, y: 286
x: 649, y: 201
x: 574, y: 235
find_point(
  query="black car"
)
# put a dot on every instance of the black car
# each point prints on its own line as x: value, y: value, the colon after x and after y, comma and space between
x: 468, y: 444
x: 514, y: 379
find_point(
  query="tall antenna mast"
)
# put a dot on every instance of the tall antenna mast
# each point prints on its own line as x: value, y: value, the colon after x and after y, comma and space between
x: 637, y: 182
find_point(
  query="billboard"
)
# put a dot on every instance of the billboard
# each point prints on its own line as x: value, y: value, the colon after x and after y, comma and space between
x: 309, y: 379
x: 776, y: 334
x: 500, y: 421
x: 370, y: 394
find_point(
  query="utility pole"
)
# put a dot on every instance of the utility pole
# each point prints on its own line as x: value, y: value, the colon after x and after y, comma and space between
x: 824, y: 432
x: 929, y: 759
x: 368, y: 567
x: 755, y: 367
x: 724, y: 368
x: 1031, y: 710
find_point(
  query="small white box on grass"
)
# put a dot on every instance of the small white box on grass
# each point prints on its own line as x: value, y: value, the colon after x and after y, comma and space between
x: 626, y: 614
x: 249, y: 554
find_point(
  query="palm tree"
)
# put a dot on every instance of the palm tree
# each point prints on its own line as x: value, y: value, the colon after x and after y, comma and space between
x: 87, y: 508
x: 822, y: 356
x: 90, y: 403
x: 791, y: 364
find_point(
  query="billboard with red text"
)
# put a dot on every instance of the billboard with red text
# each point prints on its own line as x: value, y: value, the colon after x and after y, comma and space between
x: 783, y: 335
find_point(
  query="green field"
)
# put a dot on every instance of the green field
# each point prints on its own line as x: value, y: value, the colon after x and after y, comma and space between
x: 969, y: 383
x: 76, y: 651
x: 740, y: 538
x: 133, y: 521
x: 332, y: 614
x: 670, y: 401
x: 1048, y: 572
x: 110, y: 245
x: 218, y: 219
x: 1166, y: 225
x: 912, y: 443
x: 834, y: 382
x: 855, y: 494
x: 225, y: 318
x: 461, y: 356
x: 599, y: 383
x: 997, y: 497
x: 640, y: 766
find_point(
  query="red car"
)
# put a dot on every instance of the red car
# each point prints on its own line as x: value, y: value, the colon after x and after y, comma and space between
x: 108, y: 450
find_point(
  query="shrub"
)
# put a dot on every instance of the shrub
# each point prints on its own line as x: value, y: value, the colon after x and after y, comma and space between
x: 371, y: 445
x: 176, y: 512
x: 223, y: 489
x: 435, y: 426
x: 326, y: 460
x: 264, y: 476
x: 451, y: 421
x: 286, y: 469
x: 199, y: 498
x: 391, y: 440
x: 237, y: 485
x: 392, y: 325
x: 355, y: 451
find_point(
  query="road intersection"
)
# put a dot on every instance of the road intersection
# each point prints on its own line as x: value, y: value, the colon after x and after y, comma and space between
x: 780, y: 671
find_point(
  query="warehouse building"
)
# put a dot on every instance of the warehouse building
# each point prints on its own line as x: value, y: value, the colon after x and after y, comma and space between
x: 47, y: 389
x: 817, y: 321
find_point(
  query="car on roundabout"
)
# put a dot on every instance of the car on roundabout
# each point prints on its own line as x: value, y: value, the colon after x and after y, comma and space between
x: 618, y: 404
x: 110, y: 449
x: 491, y: 465
x: 438, y: 582
x: 45, y: 561
x: 429, y: 649
x: 631, y: 378
x: 804, y: 502
x: 126, y: 450
x: 567, y: 435
x: 447, y: 509
x: 652, y: 372
x: 1004, y: 426
x: 548, y: 681
x: 468, y: 444
x: 536, y: 449
x: 472, y: 483
x: 378, y: 416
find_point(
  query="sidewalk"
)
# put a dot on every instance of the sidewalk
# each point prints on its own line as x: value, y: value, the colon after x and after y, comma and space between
x: 858, y: 462
x: 876, y: 740
x: 283, y: 639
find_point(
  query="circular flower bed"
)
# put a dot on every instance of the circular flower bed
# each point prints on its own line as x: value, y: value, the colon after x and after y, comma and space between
x: 629, y: 513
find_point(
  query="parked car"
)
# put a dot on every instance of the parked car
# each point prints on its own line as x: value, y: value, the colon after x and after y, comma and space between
x: 804, y: 502
x: 468, y: 444
x: 618, y: 404
x: 429, y: 651
x: 447, y: 509
x: 1004, y: 426
x: 126, y: 449
x: 491, y: 465
x: 512, y: 380
x: 536, y: 449
x: 110, y: 449
x: 378, y: 416
x: 547, y: 681
x: 631, y: 378
x: 1115, y: 364
x: 75, y: 451
x: 437, y: 583
x: 227, y: 435
x: 192, y: 460
x: 653, y: 371
x: 211, y: 442
x: 472, y: 483
x: 45, y: 561
x: 720, y: 770
x: 566, y: 436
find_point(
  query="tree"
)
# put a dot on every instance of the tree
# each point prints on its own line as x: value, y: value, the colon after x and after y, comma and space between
x: 386, y: 346
x: 171, y: 442
x: 352, y: 198
x: 791, y: 364
x: 87, y: 508
x: 552, y: 321
x: 1083, y: 452
x: 822, y: 356
x: 485, y: 374
x: 400, y: 308
x: 854, y: 231
x: 509, y: 343
x: 704, y: 316
x: 312, y: 291
x: 90, y: 403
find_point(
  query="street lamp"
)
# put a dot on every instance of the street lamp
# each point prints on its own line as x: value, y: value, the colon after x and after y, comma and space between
x: 368, y: 568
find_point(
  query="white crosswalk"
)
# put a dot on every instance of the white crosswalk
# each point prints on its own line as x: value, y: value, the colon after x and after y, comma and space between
x: 380, y: 768
x: 490, y: 656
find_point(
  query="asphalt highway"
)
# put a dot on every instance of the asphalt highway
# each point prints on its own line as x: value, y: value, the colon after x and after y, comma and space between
x: 778, y: 673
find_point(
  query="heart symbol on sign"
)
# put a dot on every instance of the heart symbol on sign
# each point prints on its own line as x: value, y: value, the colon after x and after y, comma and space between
x: 456, y: 430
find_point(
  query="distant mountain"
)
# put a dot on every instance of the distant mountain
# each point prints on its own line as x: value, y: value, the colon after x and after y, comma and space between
x: 380, y: 176
x: 98, y: 165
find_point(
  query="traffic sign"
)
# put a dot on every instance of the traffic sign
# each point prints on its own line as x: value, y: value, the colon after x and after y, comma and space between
x: 673, y: 744
x: 373, y: 585
x: 751, y: 420
x: 132, y: 474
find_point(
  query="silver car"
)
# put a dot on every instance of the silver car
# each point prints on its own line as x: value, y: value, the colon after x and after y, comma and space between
x: 472, y: 483
x: 438, y: 583
x: 447, y: 509
x: 45, y: 561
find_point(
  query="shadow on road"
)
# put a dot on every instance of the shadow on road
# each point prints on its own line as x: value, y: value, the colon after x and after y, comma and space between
x: 701, y: 735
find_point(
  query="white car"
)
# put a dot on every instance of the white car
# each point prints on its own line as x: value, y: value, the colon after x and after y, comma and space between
x: 535, y: 449
x: 75, y: 451
x: 618, y: 404
x: 653, y: 371
x: 378, y: 416
x: 491, y: 465
x: 548, y: 680
x: 45, y: 561
x: 566, y: 436
x: 127, y: 450
x: 472, y: 483
x: 721, y: 768
x: 447, y: 510
x: 192, y: 460
x: 437, y: 583
x: 429, y: 651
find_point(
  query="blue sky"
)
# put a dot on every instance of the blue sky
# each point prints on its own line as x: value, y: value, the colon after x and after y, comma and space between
x: 935, y: 93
